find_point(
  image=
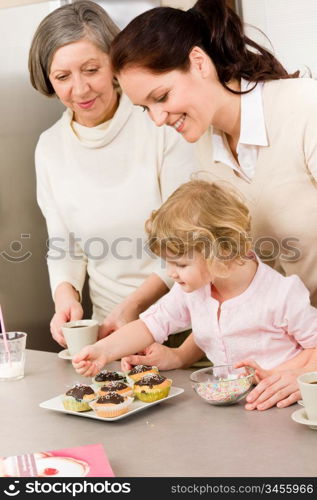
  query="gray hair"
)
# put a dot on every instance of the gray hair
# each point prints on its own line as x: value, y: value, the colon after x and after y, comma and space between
x: 67, y: 24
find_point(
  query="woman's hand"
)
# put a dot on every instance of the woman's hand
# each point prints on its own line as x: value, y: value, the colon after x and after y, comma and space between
x: 273, y: 389
x: 165, y: 358
x: 67, y: 308
x: 121, y: 315
x: 129, y: 310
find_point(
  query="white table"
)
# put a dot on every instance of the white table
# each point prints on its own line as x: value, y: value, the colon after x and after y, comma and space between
x: 183, y: 436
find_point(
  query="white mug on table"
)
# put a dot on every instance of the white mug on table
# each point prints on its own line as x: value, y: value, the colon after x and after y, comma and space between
x: 80, y: 333
x: 307, y: 383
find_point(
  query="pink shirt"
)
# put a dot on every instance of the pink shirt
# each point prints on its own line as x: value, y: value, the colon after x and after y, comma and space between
x: 270, y: 322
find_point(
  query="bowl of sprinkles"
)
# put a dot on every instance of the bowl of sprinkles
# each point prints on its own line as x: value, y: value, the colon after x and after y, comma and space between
x: 222, y: 385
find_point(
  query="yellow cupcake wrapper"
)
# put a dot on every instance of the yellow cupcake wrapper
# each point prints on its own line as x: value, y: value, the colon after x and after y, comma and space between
x: 73, y: 405
x: 149, y: 397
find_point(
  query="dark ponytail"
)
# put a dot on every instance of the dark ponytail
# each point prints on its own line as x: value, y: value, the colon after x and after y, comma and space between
x: 161, y: 39
x: 229, y: 47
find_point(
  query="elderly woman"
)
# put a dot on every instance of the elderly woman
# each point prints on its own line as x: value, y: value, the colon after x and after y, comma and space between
x: 255, y: 126
x: 101, y: 168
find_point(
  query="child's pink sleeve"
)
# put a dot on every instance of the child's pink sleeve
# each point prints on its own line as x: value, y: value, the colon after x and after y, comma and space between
x: 301, y: 316
x: 169, y: 315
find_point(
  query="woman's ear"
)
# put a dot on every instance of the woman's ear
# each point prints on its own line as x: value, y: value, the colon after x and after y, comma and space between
x: 200, y: 61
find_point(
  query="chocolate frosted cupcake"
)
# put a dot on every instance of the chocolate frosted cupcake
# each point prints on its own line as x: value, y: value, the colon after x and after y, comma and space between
x: 104, y: 377
x: 138, y: 371
x: 111, y: 405
x: 78, y: 398
x: 152, y: 387
x: 116, y: 386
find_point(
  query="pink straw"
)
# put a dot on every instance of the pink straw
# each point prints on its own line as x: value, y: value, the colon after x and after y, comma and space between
x: 4, y: 335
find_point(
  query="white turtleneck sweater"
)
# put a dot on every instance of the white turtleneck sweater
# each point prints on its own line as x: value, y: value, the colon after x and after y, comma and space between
x: 96, y: 187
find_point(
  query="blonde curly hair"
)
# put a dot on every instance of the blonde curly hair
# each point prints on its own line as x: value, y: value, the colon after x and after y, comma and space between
x: 207, y: 217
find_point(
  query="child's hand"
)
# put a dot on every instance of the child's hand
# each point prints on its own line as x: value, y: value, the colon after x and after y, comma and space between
x: 260, y: 373
x: 89, y: 361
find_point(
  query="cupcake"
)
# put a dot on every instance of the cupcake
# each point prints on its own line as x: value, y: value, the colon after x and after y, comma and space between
x: 104, y: 377
x: 116, y: 386
x: 78, y: 398
x: 111, y: 405
x: 138, y: 371
x: 152, y: 387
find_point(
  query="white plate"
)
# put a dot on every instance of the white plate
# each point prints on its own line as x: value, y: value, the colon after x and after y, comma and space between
x: 137, y: 405
x: 64, y: 354
x: 300, y: 417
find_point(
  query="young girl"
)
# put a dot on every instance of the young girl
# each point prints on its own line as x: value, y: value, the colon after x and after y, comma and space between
x: 237, y: 306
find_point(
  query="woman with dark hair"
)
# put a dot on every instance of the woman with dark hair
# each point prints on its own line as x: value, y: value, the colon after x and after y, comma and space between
x: 254, y: 123
x: 100, y: 169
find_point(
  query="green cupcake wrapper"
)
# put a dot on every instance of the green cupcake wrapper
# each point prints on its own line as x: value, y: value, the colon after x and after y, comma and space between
x: 149, y: 397
x: 76, y: 405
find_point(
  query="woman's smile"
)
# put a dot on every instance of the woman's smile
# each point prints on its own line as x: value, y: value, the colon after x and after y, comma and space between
x: 179, y: 124
x: 87, y: 104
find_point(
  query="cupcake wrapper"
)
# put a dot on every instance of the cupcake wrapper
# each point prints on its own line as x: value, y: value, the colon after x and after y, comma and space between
x: 149, y: 397
x: 112, y: 410
x: 110, y: 414
x: 73, y: 405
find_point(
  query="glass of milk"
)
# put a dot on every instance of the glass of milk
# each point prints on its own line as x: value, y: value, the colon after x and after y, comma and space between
x: 12, y: 366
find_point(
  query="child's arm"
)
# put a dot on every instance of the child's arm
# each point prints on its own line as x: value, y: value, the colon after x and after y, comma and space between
x: 132, y: 337
x: 166, y: 358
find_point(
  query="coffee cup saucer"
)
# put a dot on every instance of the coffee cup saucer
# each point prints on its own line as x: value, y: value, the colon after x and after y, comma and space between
x: 300, y: 416
x: 64, y: 354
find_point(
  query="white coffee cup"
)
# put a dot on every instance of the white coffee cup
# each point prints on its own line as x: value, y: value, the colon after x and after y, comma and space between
x: 78, y: 334
x: 307, y: 383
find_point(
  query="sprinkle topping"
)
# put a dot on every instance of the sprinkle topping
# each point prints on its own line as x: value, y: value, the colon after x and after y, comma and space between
x: 151, y: 379
x: 116, y: 385
x: 79, y: 391
x: 111, y: 397
x: 140, y: 369
x: 105, y: 376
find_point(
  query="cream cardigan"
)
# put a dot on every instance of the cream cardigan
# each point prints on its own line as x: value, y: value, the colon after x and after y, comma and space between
x: 282, y: 196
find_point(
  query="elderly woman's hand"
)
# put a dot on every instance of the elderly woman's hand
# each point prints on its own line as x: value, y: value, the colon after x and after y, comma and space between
x: 70, y: 312
x: 121, y: 315
x: 67, y: 308
x: 273, y: 388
